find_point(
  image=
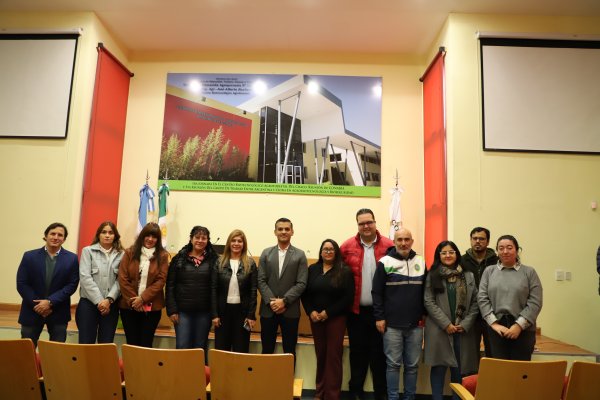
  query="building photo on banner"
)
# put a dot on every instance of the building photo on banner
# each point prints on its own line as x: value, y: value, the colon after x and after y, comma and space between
x: 297, y: 134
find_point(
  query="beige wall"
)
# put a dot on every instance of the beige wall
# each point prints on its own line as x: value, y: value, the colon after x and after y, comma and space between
x: 542, y: 199
x: 42, y: 178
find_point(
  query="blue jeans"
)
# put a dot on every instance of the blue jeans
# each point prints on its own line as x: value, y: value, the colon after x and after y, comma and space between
x: 192, y: 330
x: 94, y: 326
x: 437, y: 376
x: 402, y: 347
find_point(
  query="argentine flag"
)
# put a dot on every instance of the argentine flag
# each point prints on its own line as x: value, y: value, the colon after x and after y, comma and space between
x: 146, y: 206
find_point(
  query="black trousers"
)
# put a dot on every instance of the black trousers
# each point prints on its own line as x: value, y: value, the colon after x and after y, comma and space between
x: 480, y: 329
x: 520, y: 348
x: 289, y: 333
x: 140, y: 326
x: 366, y: 350
x: 231, y: 335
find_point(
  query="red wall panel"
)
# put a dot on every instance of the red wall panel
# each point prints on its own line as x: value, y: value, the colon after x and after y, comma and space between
x: 436, y: 199
x: 104, y: 155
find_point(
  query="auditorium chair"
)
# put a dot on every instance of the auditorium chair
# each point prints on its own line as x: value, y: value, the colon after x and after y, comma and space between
x: 164, y: 374
x: 252, y: 376
x: 506, y: 379
x: 583, y: 382
x: 80, y: 371
x: 19, y: 374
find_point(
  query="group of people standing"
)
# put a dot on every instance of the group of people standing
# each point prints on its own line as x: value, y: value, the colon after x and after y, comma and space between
x: 443, y: 311
x: 377, y: 288
x: 137, y: 283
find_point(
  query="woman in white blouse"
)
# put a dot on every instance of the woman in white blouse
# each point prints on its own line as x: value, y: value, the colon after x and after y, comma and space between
x: 97, y: 313
x: 233, y: 289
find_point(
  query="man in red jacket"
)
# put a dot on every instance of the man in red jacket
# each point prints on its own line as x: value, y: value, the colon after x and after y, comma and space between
x: 361, y: 253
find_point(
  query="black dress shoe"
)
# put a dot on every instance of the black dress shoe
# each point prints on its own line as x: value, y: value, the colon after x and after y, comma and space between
x: 355, y: 396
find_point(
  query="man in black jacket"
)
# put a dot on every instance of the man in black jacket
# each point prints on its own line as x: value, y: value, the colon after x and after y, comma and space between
x: 476, y: 260
x: 398, y: 310
x: 598, y: 265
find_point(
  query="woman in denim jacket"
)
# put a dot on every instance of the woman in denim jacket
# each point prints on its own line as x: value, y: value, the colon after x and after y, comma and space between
x: 97, y: 313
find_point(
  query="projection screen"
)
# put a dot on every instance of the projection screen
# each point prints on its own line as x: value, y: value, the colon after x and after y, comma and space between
x: 36, y: 77
x: 540, y: 95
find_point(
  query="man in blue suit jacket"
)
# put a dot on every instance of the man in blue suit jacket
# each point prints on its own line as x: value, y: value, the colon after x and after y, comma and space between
x: 46, y: 279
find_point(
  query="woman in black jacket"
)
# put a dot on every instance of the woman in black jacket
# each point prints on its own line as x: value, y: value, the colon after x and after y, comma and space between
x: 188, y: 290
x: 234, y: 282
x: 327, y: 299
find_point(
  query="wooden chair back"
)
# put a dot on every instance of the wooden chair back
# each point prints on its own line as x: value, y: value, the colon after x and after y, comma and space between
x: 163, y: 373
x: 80, y: 371
x: 506, y: 379
x: 251, y: 376
x: 18, y: 370
x: 584, y: 381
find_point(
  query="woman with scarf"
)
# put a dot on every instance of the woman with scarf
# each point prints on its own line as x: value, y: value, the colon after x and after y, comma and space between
x: 142, y: 276
x: 188, y: 290
x: 451, y: 304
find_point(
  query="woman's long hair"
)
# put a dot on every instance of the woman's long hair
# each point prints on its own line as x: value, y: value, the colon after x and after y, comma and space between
x: 211, y: 254
x: 227, y: 251
x: 436, y: 278
x: 337, y: 269
x: 117, y: 242
x: 151, y: 229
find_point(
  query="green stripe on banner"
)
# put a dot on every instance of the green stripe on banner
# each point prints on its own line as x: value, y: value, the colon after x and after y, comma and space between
x: 284, y: 188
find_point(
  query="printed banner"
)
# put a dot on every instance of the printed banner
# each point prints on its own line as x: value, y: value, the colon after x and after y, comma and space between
x: 295, y: 134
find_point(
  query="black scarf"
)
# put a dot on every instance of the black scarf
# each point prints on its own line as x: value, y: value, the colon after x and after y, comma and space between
x: 457, y: 277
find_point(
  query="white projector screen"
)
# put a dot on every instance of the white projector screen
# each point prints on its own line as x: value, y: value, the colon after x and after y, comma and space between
x: 540, y: 95
x: 36, y: 78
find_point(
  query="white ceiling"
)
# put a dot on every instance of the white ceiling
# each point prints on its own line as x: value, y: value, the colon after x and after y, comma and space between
x: 358, y: 26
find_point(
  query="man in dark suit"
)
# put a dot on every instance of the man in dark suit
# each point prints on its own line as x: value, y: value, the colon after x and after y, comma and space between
x: 46, y: 279
x: 282, y: 275
x: 476, y: 259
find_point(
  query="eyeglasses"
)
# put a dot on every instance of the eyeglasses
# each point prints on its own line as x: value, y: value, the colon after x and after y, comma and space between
x: 478, y: 239
x: 447, y: 253
x: 328, y: 250
x: 366, y: 223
